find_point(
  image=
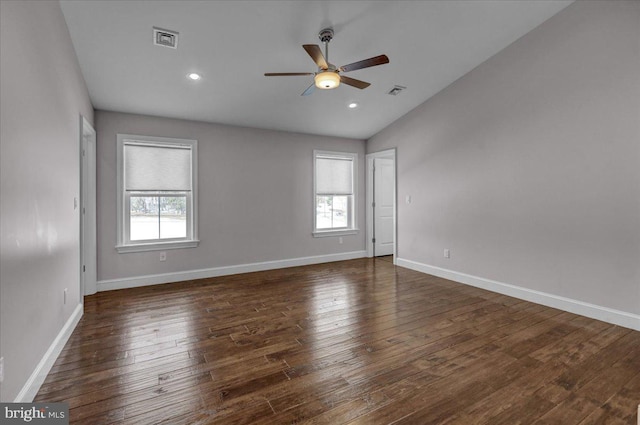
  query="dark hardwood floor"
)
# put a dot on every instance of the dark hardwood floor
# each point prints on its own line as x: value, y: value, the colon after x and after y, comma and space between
x: 353, y: 342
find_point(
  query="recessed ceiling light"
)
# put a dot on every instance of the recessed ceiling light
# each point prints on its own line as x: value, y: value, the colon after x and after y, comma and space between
x: 193, y: 76
x: 353, y: 105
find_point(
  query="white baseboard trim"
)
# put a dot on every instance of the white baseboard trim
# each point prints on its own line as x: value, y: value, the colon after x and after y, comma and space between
x: 155, y: 279
x: 32, y: 386
x: 616, y: 317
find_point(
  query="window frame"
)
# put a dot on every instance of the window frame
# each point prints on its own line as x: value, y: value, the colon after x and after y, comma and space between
x: 352, y: 202
x: 123, y: 206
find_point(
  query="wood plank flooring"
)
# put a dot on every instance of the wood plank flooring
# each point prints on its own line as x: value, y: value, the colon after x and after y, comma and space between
x: 352, y: 342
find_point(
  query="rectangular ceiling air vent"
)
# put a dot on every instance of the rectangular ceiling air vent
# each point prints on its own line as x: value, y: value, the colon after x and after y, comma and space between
x: 165, y: 38
x: 396, y: 90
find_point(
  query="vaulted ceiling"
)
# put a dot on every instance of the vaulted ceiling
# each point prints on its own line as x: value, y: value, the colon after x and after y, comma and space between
x: 232, y: 44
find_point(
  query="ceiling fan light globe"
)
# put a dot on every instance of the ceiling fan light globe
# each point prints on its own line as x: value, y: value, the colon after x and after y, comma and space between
x: 327, y: 80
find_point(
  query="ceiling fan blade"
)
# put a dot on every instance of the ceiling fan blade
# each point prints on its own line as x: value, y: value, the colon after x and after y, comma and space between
x: 378, y: 60
x: 309, y: 90
x: 316, y: 54
x: 286, y: 74
x: 354, y: 83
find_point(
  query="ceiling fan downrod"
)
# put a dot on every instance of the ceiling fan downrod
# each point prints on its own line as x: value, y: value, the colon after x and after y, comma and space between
x: 325, y: 36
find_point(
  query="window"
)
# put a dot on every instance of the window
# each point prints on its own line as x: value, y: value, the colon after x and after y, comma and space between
x: 156, y: 193
x: 334, y: 193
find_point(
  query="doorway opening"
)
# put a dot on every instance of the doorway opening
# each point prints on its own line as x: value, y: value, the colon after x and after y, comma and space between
x: 381, y: 204
x: 88, y: 237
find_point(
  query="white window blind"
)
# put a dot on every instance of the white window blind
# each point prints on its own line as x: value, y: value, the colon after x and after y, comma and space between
x: 157, y: 168
x: 334, y: 176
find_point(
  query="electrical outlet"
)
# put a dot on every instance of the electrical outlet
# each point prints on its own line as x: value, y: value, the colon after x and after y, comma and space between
x: 1, y: 369
x: 65, y: 296
x: 340, y: 240
x: 408, y: 199
x: 447, y: 253
x: 163, y: 256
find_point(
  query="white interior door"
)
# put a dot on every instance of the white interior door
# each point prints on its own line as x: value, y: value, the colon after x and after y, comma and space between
x: 383, y: 193
x: 88, y: 251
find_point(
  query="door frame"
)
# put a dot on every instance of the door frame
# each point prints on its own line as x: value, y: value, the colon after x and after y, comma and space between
x: 387, y: 154
x: 88, y: 278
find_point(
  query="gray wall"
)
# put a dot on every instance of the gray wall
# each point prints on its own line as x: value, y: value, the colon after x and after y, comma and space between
x: 528, y: 167
x: 255, y: 196
x: 42, y: 95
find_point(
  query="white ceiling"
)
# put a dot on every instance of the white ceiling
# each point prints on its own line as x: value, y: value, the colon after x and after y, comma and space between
x: 232, y: 44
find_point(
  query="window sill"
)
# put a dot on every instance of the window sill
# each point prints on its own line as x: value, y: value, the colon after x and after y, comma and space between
x: 156, y: 246
x: 327, y: 233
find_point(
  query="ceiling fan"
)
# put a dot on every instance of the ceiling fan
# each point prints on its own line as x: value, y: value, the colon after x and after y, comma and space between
x: 328, y: 75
